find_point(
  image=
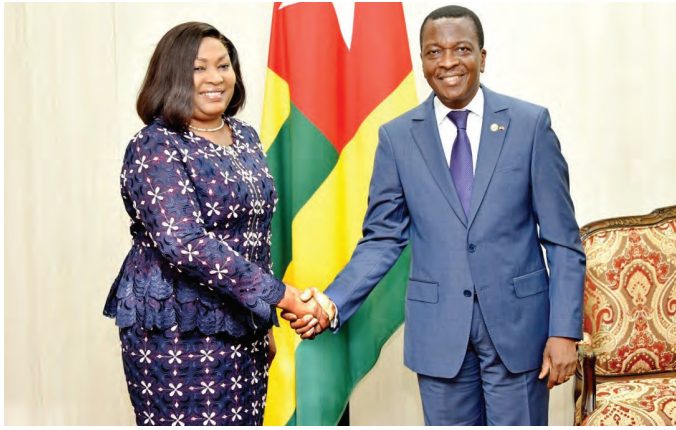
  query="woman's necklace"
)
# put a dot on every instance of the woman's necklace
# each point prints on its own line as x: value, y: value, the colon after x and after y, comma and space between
x: 208, y: 129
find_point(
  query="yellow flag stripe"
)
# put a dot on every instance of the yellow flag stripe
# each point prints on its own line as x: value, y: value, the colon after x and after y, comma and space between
x: 328, y: 227
x: 325, y: 232
x: 276, y: 108
x: 281, y: 398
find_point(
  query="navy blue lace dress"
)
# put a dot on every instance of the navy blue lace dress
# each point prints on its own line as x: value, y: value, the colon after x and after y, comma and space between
x: 195, y: 296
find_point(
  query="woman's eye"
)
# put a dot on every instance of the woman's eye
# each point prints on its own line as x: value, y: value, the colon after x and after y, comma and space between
x: 225, y: 66
x: 197, y: 69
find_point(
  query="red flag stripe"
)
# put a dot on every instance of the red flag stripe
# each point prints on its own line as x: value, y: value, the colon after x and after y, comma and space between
x: 337, y: 88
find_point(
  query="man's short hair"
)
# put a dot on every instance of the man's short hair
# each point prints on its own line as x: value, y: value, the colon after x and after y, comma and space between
x: 455, y: 12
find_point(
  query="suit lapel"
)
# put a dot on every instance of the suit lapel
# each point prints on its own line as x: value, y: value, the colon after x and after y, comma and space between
x: 489, y: 148
x: 425, y: 132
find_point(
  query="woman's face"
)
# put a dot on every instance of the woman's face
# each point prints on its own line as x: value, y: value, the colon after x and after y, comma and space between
x: 214, y: 80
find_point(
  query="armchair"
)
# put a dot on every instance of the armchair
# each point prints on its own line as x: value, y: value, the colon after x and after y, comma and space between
x: 627, y: 361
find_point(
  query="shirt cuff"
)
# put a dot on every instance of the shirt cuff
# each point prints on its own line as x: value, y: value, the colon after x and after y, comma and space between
x: 334, y: 321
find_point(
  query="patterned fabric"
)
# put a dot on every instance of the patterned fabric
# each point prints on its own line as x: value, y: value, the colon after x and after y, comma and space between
x: 650, y: 402
x: 187, y: 378
x: 200, y: 255
x: 630, y: 299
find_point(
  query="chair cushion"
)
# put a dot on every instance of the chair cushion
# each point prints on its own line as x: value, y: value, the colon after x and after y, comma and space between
x: 644, y: 402
x: 630, y: 299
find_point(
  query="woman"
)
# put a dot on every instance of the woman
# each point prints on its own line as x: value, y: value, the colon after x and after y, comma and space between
x: 195, y: 296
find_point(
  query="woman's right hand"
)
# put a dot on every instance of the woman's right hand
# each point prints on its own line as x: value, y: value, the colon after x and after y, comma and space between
x: 311, y: 313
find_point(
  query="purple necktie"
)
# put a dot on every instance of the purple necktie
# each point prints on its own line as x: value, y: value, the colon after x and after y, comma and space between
x: 461, y: 159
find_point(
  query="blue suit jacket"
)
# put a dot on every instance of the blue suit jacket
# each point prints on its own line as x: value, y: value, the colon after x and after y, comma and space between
x: 520, y: 184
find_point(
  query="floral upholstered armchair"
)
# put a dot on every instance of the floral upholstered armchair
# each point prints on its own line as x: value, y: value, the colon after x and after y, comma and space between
x: 627, y: 361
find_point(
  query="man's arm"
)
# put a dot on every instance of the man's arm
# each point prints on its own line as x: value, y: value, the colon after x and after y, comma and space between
x: 385, y: 235
x: 559, y: 234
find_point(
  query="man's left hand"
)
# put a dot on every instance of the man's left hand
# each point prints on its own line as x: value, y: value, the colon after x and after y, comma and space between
x: 559, y: 358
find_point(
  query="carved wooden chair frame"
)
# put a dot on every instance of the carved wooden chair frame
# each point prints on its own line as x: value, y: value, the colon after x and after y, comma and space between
x: 586, y: 378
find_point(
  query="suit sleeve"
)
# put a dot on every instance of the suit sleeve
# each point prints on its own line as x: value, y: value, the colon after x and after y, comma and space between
x: 385, y: 235
x: 559, y: 232
x: 159, y: 185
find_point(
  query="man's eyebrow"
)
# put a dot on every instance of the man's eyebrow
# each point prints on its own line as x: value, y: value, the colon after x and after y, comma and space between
x: 459, y: 42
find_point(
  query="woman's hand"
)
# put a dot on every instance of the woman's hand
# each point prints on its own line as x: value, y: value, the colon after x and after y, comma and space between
x: 314, y: 318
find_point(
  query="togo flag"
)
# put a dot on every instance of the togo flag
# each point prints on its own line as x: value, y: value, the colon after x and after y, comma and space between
x: 336, y: 72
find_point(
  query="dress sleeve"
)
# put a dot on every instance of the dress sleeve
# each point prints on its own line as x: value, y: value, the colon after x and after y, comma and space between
x: 156, y: 182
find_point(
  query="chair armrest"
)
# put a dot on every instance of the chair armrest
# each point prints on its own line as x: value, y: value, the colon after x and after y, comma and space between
x: 586, y: 373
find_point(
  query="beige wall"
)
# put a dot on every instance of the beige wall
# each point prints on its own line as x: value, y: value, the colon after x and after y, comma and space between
x: 71, y: 76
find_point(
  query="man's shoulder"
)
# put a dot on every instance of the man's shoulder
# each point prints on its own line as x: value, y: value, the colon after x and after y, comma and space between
x: 405, y: 119
x: 518, y: 107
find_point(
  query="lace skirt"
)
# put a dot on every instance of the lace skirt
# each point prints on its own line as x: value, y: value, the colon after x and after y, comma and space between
x: 188, y: 378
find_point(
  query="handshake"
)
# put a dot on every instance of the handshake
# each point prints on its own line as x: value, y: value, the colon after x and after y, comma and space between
x: 309, y: 312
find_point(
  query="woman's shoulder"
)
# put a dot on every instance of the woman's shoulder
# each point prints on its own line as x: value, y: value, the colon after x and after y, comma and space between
x: 155, y: 133
x: 152, y: 142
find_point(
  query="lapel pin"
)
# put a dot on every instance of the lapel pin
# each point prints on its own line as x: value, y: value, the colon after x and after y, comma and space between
x: 494, y: 127
x: 502, y: 127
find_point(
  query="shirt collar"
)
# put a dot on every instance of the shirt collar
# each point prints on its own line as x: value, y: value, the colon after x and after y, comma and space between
x: 476, y: 106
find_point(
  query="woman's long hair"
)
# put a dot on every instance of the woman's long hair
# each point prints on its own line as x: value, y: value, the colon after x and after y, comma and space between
x: 168, y: 88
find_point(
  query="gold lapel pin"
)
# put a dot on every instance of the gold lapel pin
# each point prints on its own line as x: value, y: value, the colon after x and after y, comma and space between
x: 494, y: 127
x: 502, y: 127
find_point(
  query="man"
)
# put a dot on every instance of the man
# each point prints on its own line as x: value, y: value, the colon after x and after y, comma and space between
x: 476, y: 181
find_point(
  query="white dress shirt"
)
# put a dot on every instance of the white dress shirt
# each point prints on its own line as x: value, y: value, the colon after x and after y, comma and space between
x: 448, y: 131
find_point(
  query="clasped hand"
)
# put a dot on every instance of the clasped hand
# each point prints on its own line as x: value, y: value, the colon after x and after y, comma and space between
x: 309, y: 312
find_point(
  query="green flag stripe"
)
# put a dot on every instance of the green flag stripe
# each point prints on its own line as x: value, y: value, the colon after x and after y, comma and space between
x: 300, y: 158
x: 334, y: 364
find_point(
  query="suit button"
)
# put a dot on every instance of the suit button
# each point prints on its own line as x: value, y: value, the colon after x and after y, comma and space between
x: 471, y: 247
x: 467, y: 293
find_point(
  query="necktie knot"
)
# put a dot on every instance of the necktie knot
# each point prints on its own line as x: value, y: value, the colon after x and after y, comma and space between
x: 459, y: 118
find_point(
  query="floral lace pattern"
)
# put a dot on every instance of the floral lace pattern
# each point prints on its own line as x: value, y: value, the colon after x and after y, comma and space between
x: 186, y: 378
x: 200, y: 222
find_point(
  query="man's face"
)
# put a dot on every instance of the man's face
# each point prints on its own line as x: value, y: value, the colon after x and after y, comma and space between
x: 452, y: 60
